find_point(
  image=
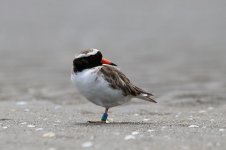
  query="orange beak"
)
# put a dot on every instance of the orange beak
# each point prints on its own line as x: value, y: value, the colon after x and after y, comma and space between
x: 106, y: 61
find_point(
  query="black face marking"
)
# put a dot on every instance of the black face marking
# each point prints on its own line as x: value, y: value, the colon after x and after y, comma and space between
x: 91, y: 61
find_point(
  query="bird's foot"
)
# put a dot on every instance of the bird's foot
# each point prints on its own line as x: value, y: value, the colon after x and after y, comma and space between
x: 104, y: 119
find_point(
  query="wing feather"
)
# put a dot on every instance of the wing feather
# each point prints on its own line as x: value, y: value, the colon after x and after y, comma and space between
x: 117, y: 80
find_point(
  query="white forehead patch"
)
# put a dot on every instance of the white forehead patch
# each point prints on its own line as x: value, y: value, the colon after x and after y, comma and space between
x: 93, y: 52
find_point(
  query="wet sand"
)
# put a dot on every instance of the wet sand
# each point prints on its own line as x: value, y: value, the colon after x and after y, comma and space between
x: 176, y: 50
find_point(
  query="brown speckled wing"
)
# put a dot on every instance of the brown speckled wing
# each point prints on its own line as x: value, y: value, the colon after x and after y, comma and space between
x: 117, y: 80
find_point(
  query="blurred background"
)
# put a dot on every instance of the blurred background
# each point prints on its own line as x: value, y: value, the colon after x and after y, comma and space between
x: 175, y: 49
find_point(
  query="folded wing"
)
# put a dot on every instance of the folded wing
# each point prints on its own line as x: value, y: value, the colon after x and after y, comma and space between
x: 117, y: 80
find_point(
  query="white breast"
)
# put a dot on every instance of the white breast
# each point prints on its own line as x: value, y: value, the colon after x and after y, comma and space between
x: 96, y: 89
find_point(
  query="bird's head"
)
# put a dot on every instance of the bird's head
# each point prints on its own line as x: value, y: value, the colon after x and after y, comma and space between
x: 89, y: 58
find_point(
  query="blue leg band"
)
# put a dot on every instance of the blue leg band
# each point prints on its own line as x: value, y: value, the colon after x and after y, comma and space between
x: 104, y: 117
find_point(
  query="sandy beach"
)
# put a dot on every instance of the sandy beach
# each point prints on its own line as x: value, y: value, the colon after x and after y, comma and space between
x: 176, y: 50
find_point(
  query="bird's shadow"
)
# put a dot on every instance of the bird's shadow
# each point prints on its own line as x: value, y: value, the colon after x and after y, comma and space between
x: 5, y: 119
x: 111, y: 123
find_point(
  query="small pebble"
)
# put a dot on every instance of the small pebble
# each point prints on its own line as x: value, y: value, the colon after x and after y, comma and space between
x: 21, y: 103
x: 151, y: 130
x: 5, y: 127
x: 49, y: 135
x: 129, y: 137
x: 145, y: 119
x: 135, y: 132
x: 23, y: 123
x: 107, y: 121
x: 39, y: 129
x: 30, y: 126
x: 87, y: 144
x: 221, y: 130
x: 193, y: 126
x: 202, y: 111
x: 136, y: 114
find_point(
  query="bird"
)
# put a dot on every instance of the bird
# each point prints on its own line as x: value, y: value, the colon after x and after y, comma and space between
x: 101, y: 82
